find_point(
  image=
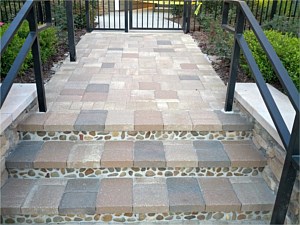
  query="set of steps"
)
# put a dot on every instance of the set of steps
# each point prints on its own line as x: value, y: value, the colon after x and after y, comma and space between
x: 166, y: 178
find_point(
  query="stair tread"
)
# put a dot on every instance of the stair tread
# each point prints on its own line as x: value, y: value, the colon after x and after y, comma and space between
x: 130, y: 120
x: 135, y: 195
x: 119, y: 154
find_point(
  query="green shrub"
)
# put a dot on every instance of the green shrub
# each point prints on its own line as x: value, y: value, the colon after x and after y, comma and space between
x: 287, y: 48
x: 177, y: 10
x: 48, y: 42
x: 220, y: 41
x: 283, y: 24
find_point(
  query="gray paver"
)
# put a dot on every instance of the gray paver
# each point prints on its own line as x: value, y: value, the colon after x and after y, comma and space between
x: 91, y: 120
x: 83, y: 185
x: 103, y: 88
x: 115, y: 196
x: 149, y: 154
x: 163, y: 50
x: 43, y: 199
x: 233, y: 121
x: 13, y: 195
x: 254, y: 196
x: 78, y: 203
x: 24, y: 154
x: 211, y: 154
x: 185, y: 195
x: 164, y: 42
x: 188, y: 77
x: 108, y: 65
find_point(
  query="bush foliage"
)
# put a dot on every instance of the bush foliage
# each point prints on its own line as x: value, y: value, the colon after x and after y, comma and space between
x: 48, y: 42
x: 287, y: 48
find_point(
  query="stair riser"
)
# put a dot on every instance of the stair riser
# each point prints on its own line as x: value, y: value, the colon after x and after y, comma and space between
x: 141, y: 217
x: 135, y: 172
x: 134, y: 135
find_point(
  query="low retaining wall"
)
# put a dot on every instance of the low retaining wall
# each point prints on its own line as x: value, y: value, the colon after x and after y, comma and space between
x: 275, y: 155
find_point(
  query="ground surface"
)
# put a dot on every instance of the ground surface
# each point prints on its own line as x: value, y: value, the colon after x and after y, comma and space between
x: 221, y: 66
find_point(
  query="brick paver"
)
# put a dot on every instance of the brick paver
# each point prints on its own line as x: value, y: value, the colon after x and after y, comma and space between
x: 23, y: 156
x: 115, y: 196
x: 117, y: 154
x: 13, y: 195
x: 150, y: 195
x: 53, y: 155
x: 149, y: 154
x: 185, y: 195
x: 211, y: 154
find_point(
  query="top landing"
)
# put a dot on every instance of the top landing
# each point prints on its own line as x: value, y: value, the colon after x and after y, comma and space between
x: 135, y: 82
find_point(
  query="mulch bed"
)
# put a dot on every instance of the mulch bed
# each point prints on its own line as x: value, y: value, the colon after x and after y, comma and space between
x: 49, y: 66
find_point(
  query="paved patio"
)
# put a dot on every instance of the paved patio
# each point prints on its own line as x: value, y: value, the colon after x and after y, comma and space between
x: 133, y: 81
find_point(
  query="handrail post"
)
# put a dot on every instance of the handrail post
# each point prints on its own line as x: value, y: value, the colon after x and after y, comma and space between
x: 87, y: 16
x: 130, y: 14
x: 184, y: 16
x: 37, y: 64
x: 188, y: 19
x: 126, y: 16
x: 235, y: 58
x: 70, y: 25
x: 288, y: 177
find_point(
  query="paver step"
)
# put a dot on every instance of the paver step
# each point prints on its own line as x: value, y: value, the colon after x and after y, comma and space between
x: 134, y: 158
x: 135, y: 120
x: 136, y: 199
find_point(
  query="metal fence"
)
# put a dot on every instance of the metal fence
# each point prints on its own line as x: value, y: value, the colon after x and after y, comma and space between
x: 153, y: 14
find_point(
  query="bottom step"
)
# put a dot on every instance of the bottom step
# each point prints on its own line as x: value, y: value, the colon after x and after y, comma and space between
x: 135, y: 199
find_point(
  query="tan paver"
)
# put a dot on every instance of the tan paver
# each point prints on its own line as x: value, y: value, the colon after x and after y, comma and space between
x: 180, y: 154
x: 177, y: 121
x: 243, y: 153
x: 117, y: 154
x: 219, y: 195
x: 34, y: 122
x: 53, y: 154
x: 60, y: 122
x: 85, y: 155
x: 120, y: 120
x: 149, y: 86
x: 150, y: 195
x: 148, y: 120
x: 115, y: 196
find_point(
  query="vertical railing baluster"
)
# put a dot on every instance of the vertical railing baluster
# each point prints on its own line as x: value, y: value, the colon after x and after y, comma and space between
x: 37, y: 63
x: 87, y: 15
x: 71, y: 35
x: 234, y: 59
x: 126, y: 16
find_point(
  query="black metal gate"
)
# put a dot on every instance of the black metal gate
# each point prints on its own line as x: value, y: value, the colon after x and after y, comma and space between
x: 138, y: 14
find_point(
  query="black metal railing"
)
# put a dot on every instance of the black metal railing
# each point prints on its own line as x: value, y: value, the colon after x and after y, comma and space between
x: 29, y: 12
x: 289, y: 140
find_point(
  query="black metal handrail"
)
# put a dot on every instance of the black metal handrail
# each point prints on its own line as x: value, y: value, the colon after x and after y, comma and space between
x: 29, y: 12
x: 290, y: 140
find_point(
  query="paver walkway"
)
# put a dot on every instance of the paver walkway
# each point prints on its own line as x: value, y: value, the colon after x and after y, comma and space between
x: 133, y: 81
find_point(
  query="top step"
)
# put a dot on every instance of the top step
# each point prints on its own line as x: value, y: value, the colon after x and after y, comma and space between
x: 140, y: 120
